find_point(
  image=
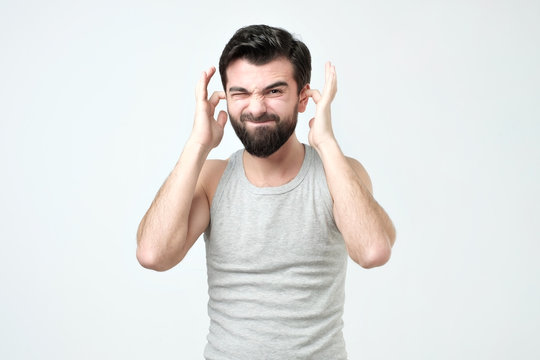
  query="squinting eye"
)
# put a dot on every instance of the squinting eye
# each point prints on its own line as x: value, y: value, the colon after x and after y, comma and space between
x: 239, y: 95
x: 275, y: 92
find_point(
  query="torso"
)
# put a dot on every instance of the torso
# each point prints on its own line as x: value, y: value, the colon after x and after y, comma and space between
x: 276, y: 266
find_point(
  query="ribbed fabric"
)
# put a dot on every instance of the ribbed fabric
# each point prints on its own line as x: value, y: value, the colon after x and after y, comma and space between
x: 276, y: 268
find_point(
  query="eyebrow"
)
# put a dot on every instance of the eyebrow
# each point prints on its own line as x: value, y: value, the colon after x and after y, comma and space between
x: 271, y: 86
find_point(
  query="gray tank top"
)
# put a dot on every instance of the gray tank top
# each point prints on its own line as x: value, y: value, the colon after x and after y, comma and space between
x: 276, y: 268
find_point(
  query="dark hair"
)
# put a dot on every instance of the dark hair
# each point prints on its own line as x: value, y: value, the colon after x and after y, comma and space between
x: 260, y: 44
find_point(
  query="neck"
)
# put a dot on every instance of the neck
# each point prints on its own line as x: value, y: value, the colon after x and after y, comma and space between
x: 277, y: 169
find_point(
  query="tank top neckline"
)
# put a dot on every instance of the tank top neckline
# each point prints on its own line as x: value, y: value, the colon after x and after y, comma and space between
x: 272, y: 190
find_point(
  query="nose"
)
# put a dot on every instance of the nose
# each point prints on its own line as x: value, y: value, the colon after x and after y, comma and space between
x: 257, y: 106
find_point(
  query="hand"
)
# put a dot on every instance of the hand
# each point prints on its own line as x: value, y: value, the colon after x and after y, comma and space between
x: 207, y: 131
x: 320, y: 127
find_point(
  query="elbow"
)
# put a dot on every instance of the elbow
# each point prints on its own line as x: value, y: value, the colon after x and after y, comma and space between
x: 373, y: 256
x: 151, y: 259
x: 376, y: 259
x: 148, y: 260
x: 157, y: 255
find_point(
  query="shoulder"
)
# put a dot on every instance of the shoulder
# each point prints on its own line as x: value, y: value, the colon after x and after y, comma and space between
x: 361, y: 172
x: 214, y: 167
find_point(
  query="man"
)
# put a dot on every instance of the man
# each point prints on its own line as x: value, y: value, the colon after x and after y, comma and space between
x: 279, y: 218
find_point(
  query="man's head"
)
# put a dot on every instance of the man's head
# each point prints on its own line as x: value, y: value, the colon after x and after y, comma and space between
x: 265, y: 73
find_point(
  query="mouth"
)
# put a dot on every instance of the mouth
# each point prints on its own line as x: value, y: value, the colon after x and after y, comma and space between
x: 265, y: 119
x: 261, y: 122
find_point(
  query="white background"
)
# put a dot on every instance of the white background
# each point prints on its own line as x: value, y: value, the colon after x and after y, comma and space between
x: 439, y: 100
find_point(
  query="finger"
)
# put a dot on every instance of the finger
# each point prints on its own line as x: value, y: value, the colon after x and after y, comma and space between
x: 222, y: 118
x: 314, y: 94
x: 201, y: 92
x: 311, y: 122
x: 216, y: 96
x: 330, y: 83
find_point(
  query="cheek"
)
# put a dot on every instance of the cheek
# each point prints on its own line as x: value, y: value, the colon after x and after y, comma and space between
x: 281, y: 106
x: 234, y: 107
x: 238, y: 102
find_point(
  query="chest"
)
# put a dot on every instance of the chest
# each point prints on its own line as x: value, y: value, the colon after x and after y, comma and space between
x: 250, y: 231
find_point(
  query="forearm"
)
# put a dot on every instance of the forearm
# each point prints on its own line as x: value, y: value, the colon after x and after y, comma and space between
x: 162, y: 233
x: 366, y: 228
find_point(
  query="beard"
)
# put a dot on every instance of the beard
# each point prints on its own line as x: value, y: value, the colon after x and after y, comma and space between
x: 264, y: 140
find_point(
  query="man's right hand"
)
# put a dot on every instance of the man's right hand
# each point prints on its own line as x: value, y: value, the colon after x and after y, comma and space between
x: 207, y: 131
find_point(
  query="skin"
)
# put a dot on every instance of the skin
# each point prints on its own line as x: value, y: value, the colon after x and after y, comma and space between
x: 180, y: 211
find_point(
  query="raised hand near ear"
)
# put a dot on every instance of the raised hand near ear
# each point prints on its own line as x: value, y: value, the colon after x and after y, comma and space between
x: 321, y: 125
x: 207, y: 131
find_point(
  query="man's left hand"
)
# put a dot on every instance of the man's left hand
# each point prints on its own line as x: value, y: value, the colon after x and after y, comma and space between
x: 321, y: 125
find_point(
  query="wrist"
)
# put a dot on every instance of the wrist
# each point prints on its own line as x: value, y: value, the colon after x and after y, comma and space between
x: 194, y: 146
x: 195, y: 143
x: 327, y: 146
x: 331, y: 154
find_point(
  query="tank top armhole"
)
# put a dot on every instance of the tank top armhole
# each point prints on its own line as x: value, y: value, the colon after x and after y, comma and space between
x: 323, y: 185
x: 216, y: 200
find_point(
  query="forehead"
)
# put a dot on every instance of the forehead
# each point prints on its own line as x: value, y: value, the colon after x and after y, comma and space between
x: 244, y: 74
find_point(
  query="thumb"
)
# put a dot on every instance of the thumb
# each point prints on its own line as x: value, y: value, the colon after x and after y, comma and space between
x: 311, y: 122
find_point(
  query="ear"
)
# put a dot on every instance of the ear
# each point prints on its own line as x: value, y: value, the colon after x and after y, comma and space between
x: 303, y: 99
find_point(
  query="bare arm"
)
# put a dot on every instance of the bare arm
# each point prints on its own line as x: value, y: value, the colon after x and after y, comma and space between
x: 366, y: 228
x: 368, y: 231
x: 180, y: 211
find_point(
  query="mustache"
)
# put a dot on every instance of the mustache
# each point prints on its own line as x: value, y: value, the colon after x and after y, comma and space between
x: 263, y: 118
